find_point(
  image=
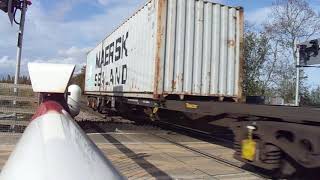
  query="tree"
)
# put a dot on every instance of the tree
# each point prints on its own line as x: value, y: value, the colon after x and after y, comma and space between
x: 22, y: 79
x: 79, y: 79
x: 291, y: 21
x: 255, y: 51
x: 311, y: 98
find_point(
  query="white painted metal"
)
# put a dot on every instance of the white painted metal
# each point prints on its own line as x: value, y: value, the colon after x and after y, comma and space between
x: 237, y: 63
x: 215, y: 61
x: 201, y: 56
x: 198, y: 45
x: 54, y: 147
x: 231, y: 43
x: 20, y: 39
x: 206, y: 64
x: 73, y: 100
x: 170, y: 44
x: 134, y: 44
x: 188, y: 60
x: 53, y: 78
x: 223, y: 51
x: 179, y: 47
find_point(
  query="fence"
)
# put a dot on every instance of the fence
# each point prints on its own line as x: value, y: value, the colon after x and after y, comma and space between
x: 17, y: 105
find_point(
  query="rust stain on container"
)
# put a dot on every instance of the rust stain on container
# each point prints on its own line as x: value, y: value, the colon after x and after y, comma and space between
x: 231, y: 43
x: 161, y: 17
x: 241, y: 60
x: 173, y: 84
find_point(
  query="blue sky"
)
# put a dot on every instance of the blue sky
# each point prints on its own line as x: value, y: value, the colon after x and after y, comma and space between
x: 62, y: 31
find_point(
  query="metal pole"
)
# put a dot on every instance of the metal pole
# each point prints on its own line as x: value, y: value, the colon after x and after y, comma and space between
x: 19, y: 45
x: 298, y: 75
x: 19, y: 51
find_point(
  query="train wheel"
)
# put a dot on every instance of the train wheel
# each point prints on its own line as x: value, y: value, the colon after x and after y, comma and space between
x: 288, y: 169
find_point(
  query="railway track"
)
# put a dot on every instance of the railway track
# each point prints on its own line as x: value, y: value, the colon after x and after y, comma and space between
x: 215, y: 158
x: 173, y: 132
x: 207, y: 137
x: 201, y: 134
x: 225, y: 139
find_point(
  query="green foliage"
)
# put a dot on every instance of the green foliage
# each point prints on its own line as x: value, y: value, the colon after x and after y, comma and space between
x: 291, y: 21
x: 255, y: 52
x: 270, y: 52
x: 311, y: 98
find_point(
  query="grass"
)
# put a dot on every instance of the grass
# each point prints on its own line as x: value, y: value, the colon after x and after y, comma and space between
x: 6, y: 90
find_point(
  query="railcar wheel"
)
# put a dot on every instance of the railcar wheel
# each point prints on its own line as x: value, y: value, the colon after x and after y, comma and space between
x: 288, y: 169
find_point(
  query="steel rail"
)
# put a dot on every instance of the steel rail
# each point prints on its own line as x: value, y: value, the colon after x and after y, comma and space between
x: 216, y: 158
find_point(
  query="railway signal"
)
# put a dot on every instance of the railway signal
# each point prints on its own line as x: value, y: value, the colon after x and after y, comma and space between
x: 5, y: 5
x: 10, y: 7
x: 309, y: 53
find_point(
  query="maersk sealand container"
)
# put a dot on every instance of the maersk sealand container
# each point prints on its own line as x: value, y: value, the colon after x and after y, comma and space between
x: 171, y: 47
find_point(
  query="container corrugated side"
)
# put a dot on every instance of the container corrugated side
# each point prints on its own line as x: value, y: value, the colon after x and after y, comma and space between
x: 125, y: 61
x: 184, y: 47
x: 202, y: 49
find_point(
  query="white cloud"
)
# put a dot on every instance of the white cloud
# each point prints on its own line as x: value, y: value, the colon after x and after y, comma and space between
x: 219, y: 1
x: 6, y: 62
x: 49, y: 38
x: 74, y: 52
x: 258, y: 16
x: 74, y: 55
x: 8, y: 65
x: 104, y: 2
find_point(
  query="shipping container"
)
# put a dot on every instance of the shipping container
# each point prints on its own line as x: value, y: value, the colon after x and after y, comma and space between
x: 171, y: 47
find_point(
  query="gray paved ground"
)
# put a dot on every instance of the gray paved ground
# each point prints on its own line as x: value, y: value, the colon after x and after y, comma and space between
x: 140, y: 155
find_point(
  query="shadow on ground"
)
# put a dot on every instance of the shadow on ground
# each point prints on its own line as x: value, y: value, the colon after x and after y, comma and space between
x: 138, y: 158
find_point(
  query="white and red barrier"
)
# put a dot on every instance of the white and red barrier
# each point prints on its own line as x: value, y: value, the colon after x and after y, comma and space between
x: 54, y: 147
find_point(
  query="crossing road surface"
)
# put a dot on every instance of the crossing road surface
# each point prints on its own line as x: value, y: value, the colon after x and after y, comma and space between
x: 152, y: 153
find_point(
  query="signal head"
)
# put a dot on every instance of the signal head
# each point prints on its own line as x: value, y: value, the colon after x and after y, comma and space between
x: 4, y: 5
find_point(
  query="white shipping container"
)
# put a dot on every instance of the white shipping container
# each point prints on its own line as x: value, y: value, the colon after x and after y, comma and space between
x: 182, y: 47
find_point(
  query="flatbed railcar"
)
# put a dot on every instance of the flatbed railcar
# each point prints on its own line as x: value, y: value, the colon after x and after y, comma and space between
x: 187, y: 56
